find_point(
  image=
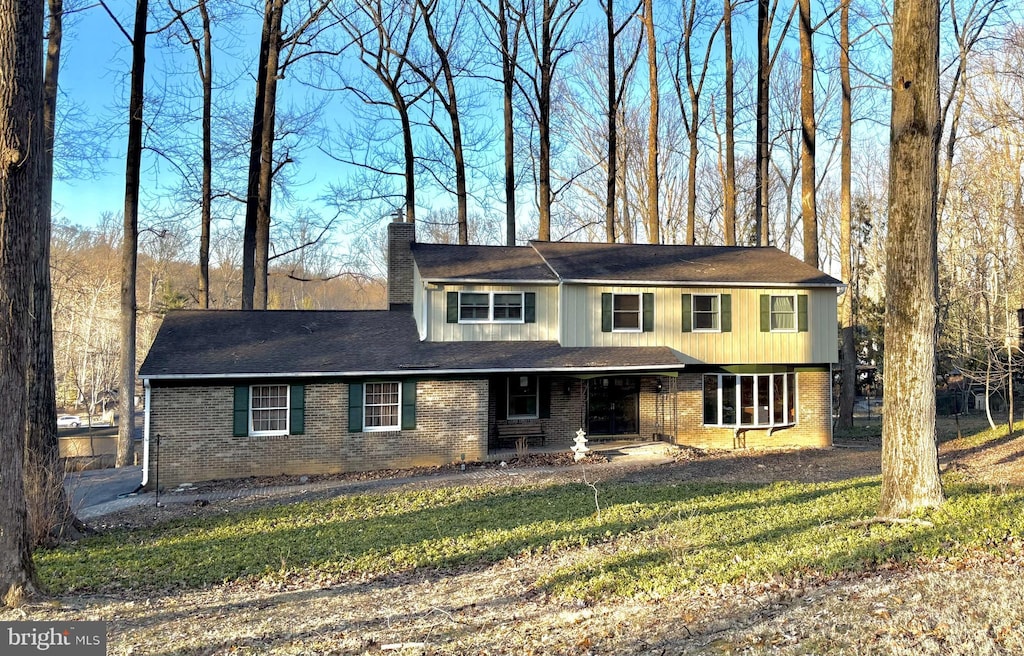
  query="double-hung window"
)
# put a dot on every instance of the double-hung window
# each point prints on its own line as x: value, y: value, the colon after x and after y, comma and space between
x: 523, y: 397
x: 382, y: 406
x: 626, y: 312
x: 491, y: 307
x: 750, y: 400
x: 268, y: 410
x: 783, y: 313
x: 706, y: 315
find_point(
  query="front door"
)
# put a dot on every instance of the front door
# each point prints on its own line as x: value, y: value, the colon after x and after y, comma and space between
x: 613, y: 408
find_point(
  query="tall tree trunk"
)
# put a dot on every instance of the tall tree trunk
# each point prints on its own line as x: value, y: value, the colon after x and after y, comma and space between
x: 21, y: 109
x: 848, y: 386
x: 761, y: 172
x: 49, y: 510
x: 808, y: 177
x: 206, y: 75
x: 910, y: 474
x: 261, y: 258
x: 613, y: 137
x: 508, y: 63
x: 255, y: 155
x: 653, y: 212
x: 544, y: 136
x: 729, y: 202
x: 130, y: 240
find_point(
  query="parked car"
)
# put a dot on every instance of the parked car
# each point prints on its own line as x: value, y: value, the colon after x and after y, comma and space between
x: 68, y: 421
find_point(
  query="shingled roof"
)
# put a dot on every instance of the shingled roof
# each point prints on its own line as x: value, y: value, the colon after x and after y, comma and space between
x: 194, y: 344
x: 447, y: 262
x: 679, y: 265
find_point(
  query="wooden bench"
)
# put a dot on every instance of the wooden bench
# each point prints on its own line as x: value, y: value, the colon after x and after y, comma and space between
x: 512, y: 435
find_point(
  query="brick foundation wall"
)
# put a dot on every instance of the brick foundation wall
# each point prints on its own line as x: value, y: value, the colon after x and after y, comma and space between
x: 196, y: 442
x: 813, y: 426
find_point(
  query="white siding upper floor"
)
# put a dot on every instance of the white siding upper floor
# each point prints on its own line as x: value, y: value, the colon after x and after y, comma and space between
x: 480, y: 312
x: 723, y: 325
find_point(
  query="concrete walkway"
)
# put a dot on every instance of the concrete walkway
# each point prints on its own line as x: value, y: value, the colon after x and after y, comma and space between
x: 95, y: 493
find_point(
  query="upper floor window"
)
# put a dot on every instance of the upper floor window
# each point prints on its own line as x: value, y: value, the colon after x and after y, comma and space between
x: 268, y: 410
x: 627, y: 313
x: 491, y: 307
x: 707, y: 313
x: 783, y: 313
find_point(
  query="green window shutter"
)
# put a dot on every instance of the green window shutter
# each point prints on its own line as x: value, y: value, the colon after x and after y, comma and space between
x: 801, y: 313
x: 606, y: 313
x: 355, y: 407
x: 408, y: 405
x: 648, y: 306
x: 241, y: 420
x: 766, y: 314
x: 530, y: 307
x: 545, y: 398
x: 297, y: 415
x: 726, y: 309
x: 453, y: 307
x: 500, y: 388
x: 687, y: 313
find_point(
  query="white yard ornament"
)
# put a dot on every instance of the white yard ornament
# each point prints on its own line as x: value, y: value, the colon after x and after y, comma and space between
x: 579, y: 447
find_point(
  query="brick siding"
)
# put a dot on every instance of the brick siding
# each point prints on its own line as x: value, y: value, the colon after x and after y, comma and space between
x: 196, y: 442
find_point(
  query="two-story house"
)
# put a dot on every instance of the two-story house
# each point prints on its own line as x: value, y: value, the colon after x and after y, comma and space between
x: 481, y: 346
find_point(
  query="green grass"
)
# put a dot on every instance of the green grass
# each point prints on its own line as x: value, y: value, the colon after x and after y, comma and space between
x: 651, y: 539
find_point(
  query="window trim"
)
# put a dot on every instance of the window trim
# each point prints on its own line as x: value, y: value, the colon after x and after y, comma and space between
x: 716, y: 313
x: 287, y: 410
x: 788, y: 395
x: 398, y: 406
x: 771, y: 313
x: 490, y: 307
x: 639, y: 312
x: 508, y: 397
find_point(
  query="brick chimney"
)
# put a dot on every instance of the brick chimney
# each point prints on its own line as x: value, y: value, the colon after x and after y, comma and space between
x: 400, y: 238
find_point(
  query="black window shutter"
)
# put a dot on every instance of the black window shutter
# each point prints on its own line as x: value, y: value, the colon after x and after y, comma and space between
x: 355, y: 407
x: 606, y: 313
x: 241, y: 414
x: 801, y: 313
x: 545, y: 398
x: 297, y: 416
x: 687, y: 313
x: 530, y: 307
x: 453, y: 307
x: 501, y: 398
x: 766, y: 316
x: 408, y: 405
x: 726, y: 309
x: 648, y: 299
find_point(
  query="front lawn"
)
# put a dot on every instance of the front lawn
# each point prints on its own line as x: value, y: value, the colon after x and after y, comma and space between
x: 645, y: 540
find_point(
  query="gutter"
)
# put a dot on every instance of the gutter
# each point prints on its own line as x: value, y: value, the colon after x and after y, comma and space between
x: 145, y: 436
x: 398, y: 372
x: 687, y: 283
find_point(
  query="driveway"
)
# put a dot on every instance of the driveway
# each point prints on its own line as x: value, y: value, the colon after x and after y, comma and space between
x: 96, y: 491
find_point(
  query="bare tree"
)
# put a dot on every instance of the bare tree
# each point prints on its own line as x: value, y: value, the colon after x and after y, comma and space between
x: 910, y: 474
x: 546, y: 24
x: 848, y: 385
x: 653, y: 211
x: 808, y: 176
x: 21, y: 113
x: 729, y: 181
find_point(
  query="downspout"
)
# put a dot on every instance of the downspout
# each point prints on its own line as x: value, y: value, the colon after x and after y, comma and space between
x: 145, y: 436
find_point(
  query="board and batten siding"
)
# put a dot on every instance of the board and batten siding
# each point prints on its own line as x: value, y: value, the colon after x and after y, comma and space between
x: 434, y: 302
x: 744, y: 344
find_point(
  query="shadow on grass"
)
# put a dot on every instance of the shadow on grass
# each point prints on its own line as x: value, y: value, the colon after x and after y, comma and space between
x: 326, y: 537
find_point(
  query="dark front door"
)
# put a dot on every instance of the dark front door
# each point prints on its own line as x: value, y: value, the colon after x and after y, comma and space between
x: 614, y: 406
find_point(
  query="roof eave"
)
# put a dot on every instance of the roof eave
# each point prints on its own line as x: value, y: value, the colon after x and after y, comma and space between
x: 486, y: 281
x: 411, y: 371
x: 697, y: 283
